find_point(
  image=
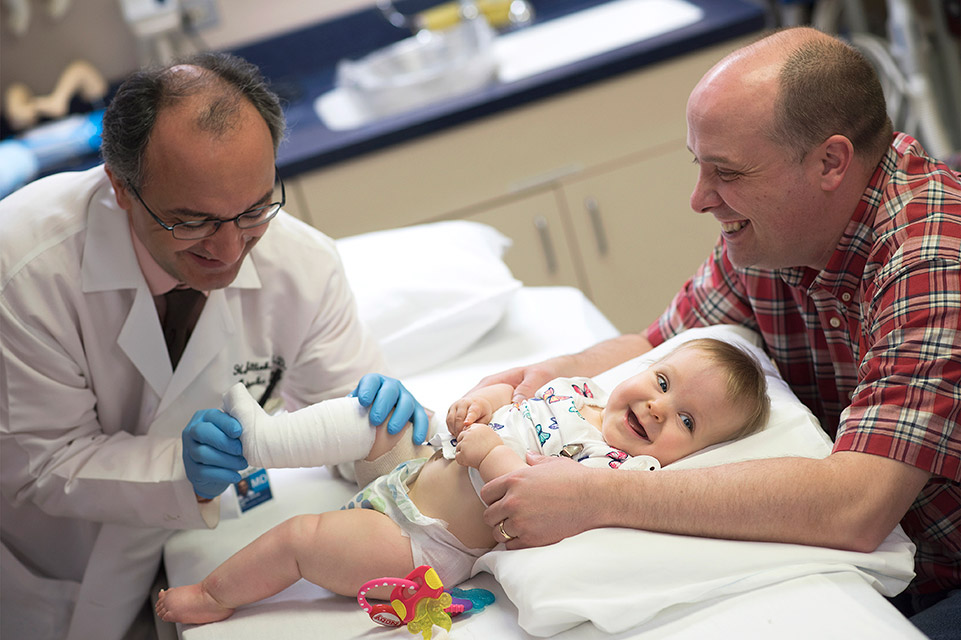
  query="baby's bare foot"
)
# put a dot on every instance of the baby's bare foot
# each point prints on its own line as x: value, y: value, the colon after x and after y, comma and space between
x: 191, y: 605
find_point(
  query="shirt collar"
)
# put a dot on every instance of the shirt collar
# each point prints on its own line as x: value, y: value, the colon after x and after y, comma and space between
x: 158, y: 280
x: 845, y: 268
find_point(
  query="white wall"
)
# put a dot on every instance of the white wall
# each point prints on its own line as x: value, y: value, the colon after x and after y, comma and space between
x: 94, y: 30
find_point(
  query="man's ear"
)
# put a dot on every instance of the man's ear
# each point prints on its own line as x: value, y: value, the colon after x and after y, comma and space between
x: 835, y: 155
x: 124, y: 201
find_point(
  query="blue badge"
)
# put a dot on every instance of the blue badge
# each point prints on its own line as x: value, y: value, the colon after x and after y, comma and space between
x: 253, y: 489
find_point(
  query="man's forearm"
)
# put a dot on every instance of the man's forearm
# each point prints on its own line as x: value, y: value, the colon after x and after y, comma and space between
x: 846, y: 501
x: 605, y: 355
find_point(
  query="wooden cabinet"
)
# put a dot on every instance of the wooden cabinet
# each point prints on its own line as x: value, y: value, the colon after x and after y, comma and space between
x: 625, y: 235
x: 592, y: 186
x: 637, y: 236
x: 542, y: 251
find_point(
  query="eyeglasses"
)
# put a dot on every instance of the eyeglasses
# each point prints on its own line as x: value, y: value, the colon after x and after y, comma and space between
x: 198, y: 229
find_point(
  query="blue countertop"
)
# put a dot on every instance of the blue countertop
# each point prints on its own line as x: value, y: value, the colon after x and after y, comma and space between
x: 301, y: 66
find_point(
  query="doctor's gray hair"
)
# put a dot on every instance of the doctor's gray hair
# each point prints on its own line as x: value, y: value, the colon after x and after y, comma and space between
x: 132, y: 112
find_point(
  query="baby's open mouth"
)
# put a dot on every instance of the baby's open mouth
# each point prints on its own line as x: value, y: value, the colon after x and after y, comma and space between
x: 636, y: 425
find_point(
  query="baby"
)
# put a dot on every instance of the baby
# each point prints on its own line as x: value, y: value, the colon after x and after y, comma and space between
x: 428, y: 511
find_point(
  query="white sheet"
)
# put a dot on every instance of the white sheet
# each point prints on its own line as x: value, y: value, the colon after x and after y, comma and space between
x: 838, y: 605
x: 823, y: 605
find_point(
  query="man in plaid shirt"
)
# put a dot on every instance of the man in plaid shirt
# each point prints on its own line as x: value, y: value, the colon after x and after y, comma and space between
x: 841, y: 245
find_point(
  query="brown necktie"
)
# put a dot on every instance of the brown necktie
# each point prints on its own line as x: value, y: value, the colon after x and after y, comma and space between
x: 183, y: 309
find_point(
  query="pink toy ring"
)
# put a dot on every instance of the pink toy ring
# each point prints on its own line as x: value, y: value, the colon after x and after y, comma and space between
x: 383, y: 613
x: 422, y: 583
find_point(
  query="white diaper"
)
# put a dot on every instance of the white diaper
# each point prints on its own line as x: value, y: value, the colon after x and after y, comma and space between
x: 430, y: 541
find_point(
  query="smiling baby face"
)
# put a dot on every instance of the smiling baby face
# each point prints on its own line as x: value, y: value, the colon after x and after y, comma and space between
x: 679, y: 405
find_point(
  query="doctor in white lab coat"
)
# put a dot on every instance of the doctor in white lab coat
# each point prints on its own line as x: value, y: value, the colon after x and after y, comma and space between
x: 91, y: 410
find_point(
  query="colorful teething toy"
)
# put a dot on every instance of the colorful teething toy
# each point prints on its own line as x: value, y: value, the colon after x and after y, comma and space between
x: 420, y: 602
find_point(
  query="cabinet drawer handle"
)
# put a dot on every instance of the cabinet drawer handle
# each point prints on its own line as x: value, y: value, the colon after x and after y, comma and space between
x: 540, y: 223
x: 594, y: 213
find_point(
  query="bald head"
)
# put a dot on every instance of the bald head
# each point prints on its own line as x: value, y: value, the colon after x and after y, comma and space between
x: 802, y: 86
x: 778, y: 45
x: 210, y: 103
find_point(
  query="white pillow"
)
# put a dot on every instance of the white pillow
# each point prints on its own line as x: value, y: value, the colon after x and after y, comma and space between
x: 429, y: 292
x: 625, y: 577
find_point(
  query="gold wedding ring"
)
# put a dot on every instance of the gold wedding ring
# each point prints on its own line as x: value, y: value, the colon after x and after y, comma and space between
x: 500, y: 527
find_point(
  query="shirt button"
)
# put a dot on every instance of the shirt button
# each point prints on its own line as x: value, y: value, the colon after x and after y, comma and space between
x: 846, y: 297
x: 835, y: 322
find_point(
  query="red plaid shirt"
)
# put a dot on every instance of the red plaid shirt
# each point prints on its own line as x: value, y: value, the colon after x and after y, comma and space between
x: 872, y: 344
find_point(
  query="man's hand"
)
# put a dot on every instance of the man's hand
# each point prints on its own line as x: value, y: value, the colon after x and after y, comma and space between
x: 542, y: 503
x: 528, y: 379
x: 388, y: 397
x: 212, y: 452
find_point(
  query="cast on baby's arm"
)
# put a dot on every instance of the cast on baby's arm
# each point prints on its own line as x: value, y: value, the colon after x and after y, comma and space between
x: 703, y: 393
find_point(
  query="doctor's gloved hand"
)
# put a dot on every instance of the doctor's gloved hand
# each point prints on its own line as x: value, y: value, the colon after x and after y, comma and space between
x: 213, y: 453
x: 384, y: 395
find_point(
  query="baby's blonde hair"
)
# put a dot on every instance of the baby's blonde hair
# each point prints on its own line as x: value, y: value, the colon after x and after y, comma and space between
x: 746, y: 382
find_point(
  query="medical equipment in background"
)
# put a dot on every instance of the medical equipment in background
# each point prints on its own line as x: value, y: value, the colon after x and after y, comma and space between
x: 918, y: 64
x: 17, y: 13
x: 23, y: 109
x: 48, y: 145
x: 24, y: 157
x: 501, y: 14
x: 165, y: 30
x: 423, y: 68
x: 450, y: 53
x: 168, y: 29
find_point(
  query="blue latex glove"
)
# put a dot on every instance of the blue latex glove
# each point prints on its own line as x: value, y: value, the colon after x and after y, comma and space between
x: 213, y: 453
x: 383, y: 395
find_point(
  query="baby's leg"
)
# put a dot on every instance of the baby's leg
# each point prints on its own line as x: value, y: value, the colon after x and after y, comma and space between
x: 337, y: 550
x: 329, y: 432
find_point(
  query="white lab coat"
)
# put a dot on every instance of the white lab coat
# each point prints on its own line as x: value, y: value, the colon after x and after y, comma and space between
x: 90, y: 454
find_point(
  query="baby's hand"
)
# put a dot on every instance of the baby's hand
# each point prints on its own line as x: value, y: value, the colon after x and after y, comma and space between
x: 467, y: 411
x: 474, y: 442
